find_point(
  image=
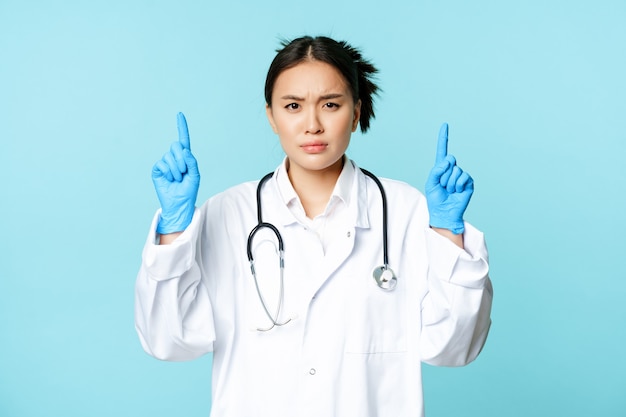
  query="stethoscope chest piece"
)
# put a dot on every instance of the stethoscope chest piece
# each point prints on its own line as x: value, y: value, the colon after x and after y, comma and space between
x: 385, y: 278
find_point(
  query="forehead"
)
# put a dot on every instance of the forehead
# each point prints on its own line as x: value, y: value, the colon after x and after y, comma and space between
x: 310, y: 77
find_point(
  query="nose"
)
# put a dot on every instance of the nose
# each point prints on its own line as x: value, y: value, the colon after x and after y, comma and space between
x: 314, y: 124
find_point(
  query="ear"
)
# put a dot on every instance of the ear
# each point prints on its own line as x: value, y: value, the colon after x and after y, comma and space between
x: 270, y: 117
x: 357, y: 115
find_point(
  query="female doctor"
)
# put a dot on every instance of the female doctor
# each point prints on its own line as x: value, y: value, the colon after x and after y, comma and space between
x: 320, y: 289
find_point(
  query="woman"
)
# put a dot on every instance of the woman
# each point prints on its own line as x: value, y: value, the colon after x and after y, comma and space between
x: 320, y: 337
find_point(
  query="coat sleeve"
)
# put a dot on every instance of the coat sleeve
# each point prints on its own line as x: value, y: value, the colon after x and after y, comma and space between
x: 173, y: 313
x: 457, y: 306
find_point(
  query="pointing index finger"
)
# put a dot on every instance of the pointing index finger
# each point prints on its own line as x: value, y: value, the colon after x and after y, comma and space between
x: 442, y: 143
x: 183, y: 131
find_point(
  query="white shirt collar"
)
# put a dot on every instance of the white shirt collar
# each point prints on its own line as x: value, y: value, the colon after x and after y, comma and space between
x: 342, y: 190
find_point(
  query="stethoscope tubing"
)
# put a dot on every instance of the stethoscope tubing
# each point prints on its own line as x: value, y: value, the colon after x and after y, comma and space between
x: 261, y: 224
x: 383, y: 275
x: 384, y: 198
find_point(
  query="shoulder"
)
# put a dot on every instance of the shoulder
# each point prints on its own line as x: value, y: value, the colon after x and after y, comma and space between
x: 407, y: 210
x: 403, y: 196
x: 230, y: 212
x: 401, y: 187
x: 394, y: 189
x: 241, y: 197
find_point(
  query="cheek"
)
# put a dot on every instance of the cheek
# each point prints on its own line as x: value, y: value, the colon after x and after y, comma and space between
x: 285, y: 123
x: 286, y: 132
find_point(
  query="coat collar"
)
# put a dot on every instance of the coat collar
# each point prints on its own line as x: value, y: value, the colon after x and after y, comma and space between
x: 353, y: 190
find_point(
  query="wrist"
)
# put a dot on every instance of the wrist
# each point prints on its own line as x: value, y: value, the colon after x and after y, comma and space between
x: 175, y: 221
x: 455, y: 226
x: 457, y: 239
x: 168, y: 238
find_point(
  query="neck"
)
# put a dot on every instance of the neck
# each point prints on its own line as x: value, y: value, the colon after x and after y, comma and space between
x: 314, y: 188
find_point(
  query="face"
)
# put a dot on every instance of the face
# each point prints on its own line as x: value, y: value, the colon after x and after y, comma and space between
x: 314, y: 115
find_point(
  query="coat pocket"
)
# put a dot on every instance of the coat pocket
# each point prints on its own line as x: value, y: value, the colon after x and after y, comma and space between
x: 376, y: 320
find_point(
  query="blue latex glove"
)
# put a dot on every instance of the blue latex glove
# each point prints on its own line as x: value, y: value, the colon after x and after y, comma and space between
x: 176, y: 179
x: 448, y: 189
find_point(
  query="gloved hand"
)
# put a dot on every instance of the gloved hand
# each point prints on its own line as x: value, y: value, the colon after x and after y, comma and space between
x: 176, y: 179
x: 448, y: 189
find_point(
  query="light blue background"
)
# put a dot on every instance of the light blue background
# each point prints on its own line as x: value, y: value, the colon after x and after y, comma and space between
x: 535, y: 94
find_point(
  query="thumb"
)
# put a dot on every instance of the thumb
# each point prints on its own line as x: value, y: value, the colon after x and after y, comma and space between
x: 161, y: 172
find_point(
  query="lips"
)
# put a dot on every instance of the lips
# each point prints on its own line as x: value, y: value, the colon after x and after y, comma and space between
x: 314, y: 147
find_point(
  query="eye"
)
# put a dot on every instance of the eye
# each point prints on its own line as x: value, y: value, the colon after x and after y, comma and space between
x: 292, y: 106
x: 332, y: 106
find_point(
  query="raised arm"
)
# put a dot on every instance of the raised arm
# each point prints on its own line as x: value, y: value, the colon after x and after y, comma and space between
x: 456, y: 310
x: 173, y: 311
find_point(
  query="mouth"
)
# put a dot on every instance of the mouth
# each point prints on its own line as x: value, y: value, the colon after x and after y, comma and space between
x: 314, y: 147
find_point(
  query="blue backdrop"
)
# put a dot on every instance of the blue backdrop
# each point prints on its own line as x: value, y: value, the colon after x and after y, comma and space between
x: 535, y: 94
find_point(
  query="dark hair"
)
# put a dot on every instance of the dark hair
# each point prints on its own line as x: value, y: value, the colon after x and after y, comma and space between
x: 358, y: 72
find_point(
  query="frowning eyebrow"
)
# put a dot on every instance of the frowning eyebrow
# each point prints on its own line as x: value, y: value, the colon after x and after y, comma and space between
x: 324, y: 97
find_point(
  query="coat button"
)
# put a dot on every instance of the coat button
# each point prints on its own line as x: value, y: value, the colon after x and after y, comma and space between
x: 348, y: 234
x: 312, y: 371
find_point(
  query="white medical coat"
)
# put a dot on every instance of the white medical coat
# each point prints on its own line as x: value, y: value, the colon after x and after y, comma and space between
x: 350, y: 349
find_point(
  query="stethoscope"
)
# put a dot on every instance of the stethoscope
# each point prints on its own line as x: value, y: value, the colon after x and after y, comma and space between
x: 383, y: 275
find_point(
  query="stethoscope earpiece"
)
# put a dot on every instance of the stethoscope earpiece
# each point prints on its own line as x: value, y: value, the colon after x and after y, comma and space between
x: 385, y: 278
